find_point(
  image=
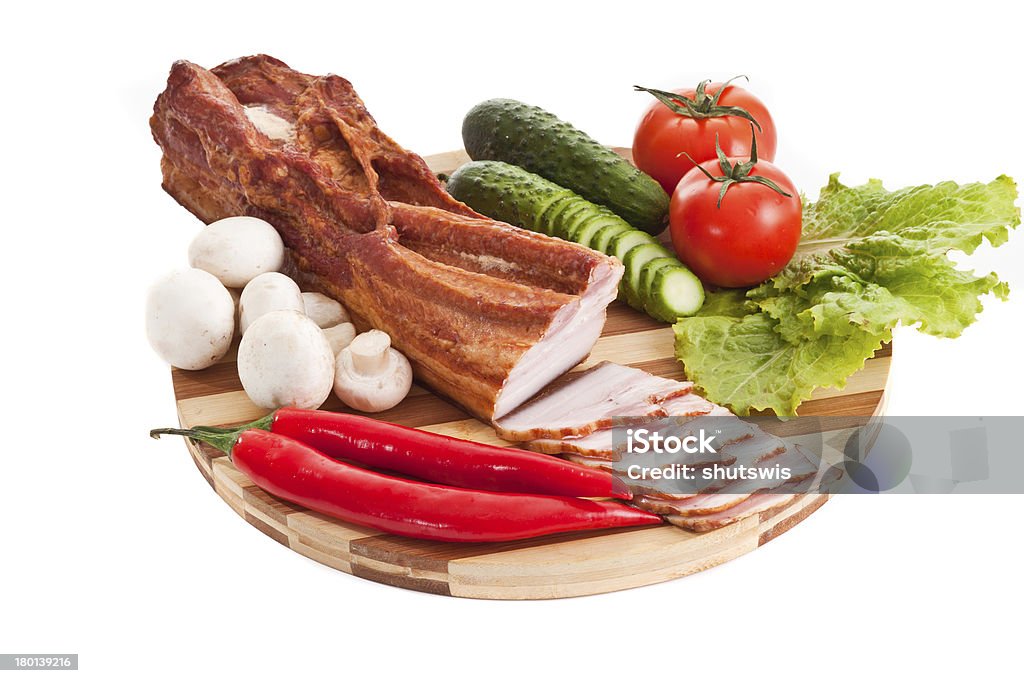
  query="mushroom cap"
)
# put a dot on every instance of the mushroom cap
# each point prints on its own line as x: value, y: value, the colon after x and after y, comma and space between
x: 323, y: 310
x: 265, y: 293
x: 190, y: 319
x: 284, y: 359
x: 237, y: 249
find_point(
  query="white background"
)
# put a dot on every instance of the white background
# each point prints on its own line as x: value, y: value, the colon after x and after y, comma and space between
x: 114, y: 547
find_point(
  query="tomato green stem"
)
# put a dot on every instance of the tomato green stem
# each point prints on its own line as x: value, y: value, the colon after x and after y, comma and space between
x: 738, y: 172
x: 702, y: 105
x: 221, y: 438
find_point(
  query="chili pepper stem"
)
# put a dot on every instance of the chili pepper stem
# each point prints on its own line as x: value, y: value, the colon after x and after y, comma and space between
x: 221, y: 438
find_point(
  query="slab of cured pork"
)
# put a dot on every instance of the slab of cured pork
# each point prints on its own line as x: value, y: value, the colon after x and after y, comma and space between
x: 487, y: 313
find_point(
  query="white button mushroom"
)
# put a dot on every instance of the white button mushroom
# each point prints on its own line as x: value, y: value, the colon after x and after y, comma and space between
x: 284, y: 360
x: 190, y: 319
x: 340, y: 336
x: 323, y: 310
x: 266, y: 293
x: 237, y: 249
x: 370, y: 375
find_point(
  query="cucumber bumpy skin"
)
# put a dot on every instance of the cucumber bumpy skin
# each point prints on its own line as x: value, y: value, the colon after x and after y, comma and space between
x: 537, y: 140
x: 508, y: 193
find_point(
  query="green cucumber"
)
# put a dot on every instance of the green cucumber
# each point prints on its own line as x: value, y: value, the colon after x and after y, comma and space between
x: 545, y: 218
x: 514, y: 195
x: 624, y: 241
x: 557, y: 215
x: 603, y: 237
x: 584, y: 232
x: 597, y: 219
x: 634, y: 262
x: 520, y: 202
x: 568, y: 221
x: 511, y: 194
x: 649, y: 270
x: 675, y: 293
x: 534, y: 139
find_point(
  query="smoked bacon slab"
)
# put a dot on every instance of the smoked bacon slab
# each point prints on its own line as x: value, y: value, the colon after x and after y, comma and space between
x: 487, y: 313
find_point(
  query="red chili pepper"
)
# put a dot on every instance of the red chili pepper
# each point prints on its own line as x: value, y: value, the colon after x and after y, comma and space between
x: 299, y: 473
x: 438, y: 458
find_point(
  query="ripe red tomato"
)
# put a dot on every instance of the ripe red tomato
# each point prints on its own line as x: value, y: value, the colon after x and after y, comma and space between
x: 663, y: 134
x: 746, y: 240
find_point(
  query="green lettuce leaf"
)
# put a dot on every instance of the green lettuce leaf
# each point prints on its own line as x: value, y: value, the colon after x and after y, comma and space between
x: 740, y: 360
x: 869, y: 260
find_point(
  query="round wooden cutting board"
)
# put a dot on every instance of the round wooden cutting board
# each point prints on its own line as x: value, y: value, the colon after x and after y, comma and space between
x: 552, y: 567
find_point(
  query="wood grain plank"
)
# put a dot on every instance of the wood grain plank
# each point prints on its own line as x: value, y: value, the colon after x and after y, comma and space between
x: 219, y: 379
x: 424, y: 585
x: 598, y: 565
x: 843, y: 404
x: 434, y: 556
x: 266, y: 528
x: 624, y: 320
x: 595, y: 557
x: 230, y: 478
x: 636, y: 347
x: 327, y: 557
x: 276, y: 509
x: 787, y: 522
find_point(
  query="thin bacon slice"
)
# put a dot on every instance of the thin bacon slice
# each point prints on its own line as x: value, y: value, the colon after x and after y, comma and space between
x: 758, y: 504
x: 581, y: 404
x: 720, y: 495
x: 599, y: 444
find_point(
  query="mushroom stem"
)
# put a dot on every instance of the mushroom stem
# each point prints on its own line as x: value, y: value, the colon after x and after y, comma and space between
x: 370, y: 352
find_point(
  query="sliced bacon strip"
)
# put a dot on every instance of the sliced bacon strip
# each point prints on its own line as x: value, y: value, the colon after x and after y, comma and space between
x: 720, y: 496
x: 599, y: 444
x: 759, y: 503
x: 752, y: 505
x: 581, y: 404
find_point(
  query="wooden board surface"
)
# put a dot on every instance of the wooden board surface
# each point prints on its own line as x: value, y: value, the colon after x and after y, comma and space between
x: 556, y: 566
